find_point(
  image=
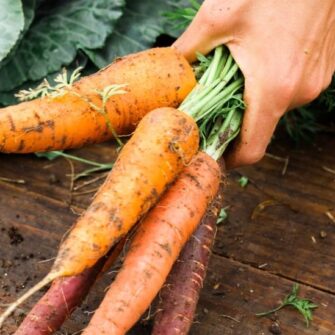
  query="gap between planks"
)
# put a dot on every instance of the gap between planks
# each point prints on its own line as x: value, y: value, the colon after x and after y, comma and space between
x: 36, y: 195
x: 275, y: 274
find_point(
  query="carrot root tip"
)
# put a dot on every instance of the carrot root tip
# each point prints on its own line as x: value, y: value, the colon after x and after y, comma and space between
x: 12, y: 307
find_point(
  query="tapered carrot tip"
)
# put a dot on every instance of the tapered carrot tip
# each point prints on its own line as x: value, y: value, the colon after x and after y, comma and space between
x: 12, y: 307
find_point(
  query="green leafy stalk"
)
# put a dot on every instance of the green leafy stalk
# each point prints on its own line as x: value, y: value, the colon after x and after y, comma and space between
x: 216, y: 102
x: 97, y: 167
x: 105, y: 95
x: 304, y: 306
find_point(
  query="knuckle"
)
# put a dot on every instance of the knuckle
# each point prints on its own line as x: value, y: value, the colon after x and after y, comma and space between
x: 214, y: 16
x: 253, y: 155
x: 313, y: 87
x: 311, y: 91
x: 327, y: 81
x: 286, y: 89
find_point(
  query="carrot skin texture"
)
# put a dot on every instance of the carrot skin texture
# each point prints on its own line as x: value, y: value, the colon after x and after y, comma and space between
x: 65, y: 294
x: 57, y: 304
x: 179, y: 296
x: 162, y: 144
x: 155, y: 78
x: 156, y: 246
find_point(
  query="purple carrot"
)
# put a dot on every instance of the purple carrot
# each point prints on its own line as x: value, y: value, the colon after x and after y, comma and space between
x: 179, y: 297
x: 64, y: 295
x: 57, y: 304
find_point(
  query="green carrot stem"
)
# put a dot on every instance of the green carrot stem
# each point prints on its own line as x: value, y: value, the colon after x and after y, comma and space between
x: 83, y: 160
x: 271, y: 311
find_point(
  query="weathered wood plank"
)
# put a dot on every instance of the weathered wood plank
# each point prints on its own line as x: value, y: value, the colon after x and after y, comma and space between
x: 293, y: 236
x: 279, y: 238
x: 51, y: 178
x: 244, y: 291
x: 31, y: 228
x: 233, y: 297
x: 306, y: 185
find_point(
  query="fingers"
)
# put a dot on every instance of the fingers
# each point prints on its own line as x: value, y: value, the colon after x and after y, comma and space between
x: 259, y: 122
x: 209, y: 28
x: 196, y: 38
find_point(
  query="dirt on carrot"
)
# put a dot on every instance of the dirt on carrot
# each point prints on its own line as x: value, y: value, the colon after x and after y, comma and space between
x: 179, y: 296
x: 155, y: 247
x: 164, y: 142
x: 150, y: 79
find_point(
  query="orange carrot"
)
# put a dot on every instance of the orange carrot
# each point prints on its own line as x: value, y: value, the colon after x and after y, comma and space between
x: 156, y: 246
x: 163, y: 143
x: 155, y: 78
x: 180, y: 294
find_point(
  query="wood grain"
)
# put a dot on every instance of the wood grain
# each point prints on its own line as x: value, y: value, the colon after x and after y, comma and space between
x: 277, y: 233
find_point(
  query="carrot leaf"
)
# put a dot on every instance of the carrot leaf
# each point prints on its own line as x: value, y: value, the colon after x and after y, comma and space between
x: 243, y: 181
x: 105, y: 95
x: 222, y: 215
x: 304, y: 306
x: 181, y: 17
x: 59, y: 31
x: 11, y: 25
x: 97, y: 167
x: 44, y: 89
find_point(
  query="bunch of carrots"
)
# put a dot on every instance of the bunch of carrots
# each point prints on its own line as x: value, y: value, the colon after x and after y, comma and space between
x: 164, y: 180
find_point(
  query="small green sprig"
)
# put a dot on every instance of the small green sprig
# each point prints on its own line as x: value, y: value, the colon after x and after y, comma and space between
x: 304, y: 306
x: 105, y: 94
x: 243, y: 181
x: 62, y: 83
x: 97, y: 167
x: 222, y: 215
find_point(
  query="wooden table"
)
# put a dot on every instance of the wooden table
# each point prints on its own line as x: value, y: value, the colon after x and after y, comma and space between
x: 280, y: 230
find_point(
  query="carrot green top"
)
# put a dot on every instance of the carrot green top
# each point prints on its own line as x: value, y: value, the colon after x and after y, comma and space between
x: 216, y: 102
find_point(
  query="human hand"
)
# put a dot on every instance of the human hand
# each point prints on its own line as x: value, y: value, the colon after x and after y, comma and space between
x: 285, y: 50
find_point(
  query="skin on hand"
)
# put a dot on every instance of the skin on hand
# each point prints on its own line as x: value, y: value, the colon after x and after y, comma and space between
x: 285, y: 50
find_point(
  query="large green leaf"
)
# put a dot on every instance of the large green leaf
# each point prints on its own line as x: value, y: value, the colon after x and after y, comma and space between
x: 137, y: 30
x: 54, y: 39
x: 29, y: 13
x: 11, y: 25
